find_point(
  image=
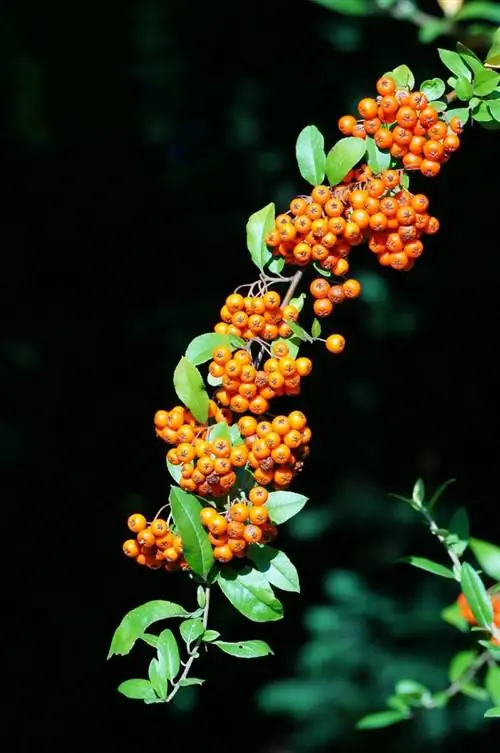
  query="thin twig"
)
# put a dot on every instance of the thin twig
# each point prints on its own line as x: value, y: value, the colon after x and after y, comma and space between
x: 465, y: 677
x: 294, y: 283
x: 434, y: 529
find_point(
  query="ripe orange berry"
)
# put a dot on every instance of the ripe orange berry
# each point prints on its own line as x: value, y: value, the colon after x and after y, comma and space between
x: 456, y: 125
x: 137, y: 523
x: 223, y: 553
x: 159, y: 527
x: 259, y: 515
x: 131, y: 548
x: 465, y: 610
x: 146, y: 538
x: 336, y: 294
x: 346, y: 124
x: 235, y: 302
x: 319, y: 287
x: 252, y: 534
x: 235, y: 529
x: 217, y: 525
x: 351, y: 288
x: 303, y: 366
x: 367, y: 108
x: 429, y: 168
x: 297, y: 420
x: 258, y: 495
x: 239, y: 512
x: 161, y: 419
x: 335, y: 343
x: 238, y: 546
x: 386, y: 86
x: 322, y: 307
x: 281, y: 455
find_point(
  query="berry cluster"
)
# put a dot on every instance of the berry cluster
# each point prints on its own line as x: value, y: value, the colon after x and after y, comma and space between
x: 244, y: 388
x: 259, y: 316
x: 405, y: 124
x: 155, y: 544
x: 468, y: 616
x: 244, y: 522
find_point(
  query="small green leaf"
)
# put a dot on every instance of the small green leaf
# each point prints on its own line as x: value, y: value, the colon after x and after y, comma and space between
x: 174, y: 470
x: 455, y: 64
x: 298, y: 331
x: 190, y: 389
x: 488, y: 556
x: 460, y: 663
x: 437, y: 494
x: 492, y: 648
x: 439, y: 105
x: 310, y: 152
x: 220, y: 431
x: 137, y: 689
x: 470, y: 58
x: 453, y: 616
x: 462, y: 113
x: 245, y: 649
x: 276, y: 266
x: 250, y: 593
x: 258, y: 226
x: 381, y: 719
x: 429, y: 566
x: 185, y: 510
x: 440, y: 700
x: 433, y: 88
x: 346, y: 7
x: 275, y: 566
x: 298, y: 301
x: 418, y: 494
x: 343, y: 157
x: 157, y: 679
x: 494, y: 108
x: 397, y: 703
x: 210, y: 635
x: 493, y: 56
x: 404, y: 180
x: 138, y: 620
x: 200, y: 597
x: 474, y: 691
x: 213, y: 381
x: 493, y: 712
x: 492, y: 683
x: 316, y: 328
x: 201, y: 348
x: 485, y: 82
x: 321, y: 271
x: 479, y: 10
x: 235, y: 436
x: 476, y: 595
x: 463, y: 88
x: 168, y: 654
x: 284, y: 505
x: 457, y: 539
x: 410, y: 687
x: 377, y: 160
x: 186, y: 682
x: 191, y: 630
x: 403, y: 76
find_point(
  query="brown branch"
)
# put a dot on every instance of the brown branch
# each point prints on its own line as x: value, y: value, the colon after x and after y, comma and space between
x: 294, y: 283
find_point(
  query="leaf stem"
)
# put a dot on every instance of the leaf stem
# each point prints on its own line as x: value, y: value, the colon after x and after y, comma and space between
x: 434, y: 529
x: 193, y: 653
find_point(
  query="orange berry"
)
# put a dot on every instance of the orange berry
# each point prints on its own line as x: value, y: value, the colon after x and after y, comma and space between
x: 217, y: 525
x: 351, y: 288
x: 322, y: 307
x: 335, y: 343
x: 239, y: 512
x: 136, y: 523
x: 159, y: 527
x: 258, y: 495
x: 131, y: 548
x: 146, y: 538
x: 346, y: 124
x: 303, y: 366
x: 237, y: 545
x: 386, y: 86
x: 367, y: 108
x: 252, y: 534
x: 223, y: 553
x: 259, y: 515
x: 235, y: 302
x: 297, y: 420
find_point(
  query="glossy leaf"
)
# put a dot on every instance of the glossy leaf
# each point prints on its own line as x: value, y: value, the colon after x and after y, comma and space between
x: 275, y: 566
x: 220, y: 431
x: 476, y: 595
x: 488, y: 556
x: 191, y: 630
x: 138, y: 620
x: 462, y: 113
x: 250, y: 593
x: 168, y: 654
x: 479, y: 10
x: 482, y: 114
x: 316, y: 328
x: 157, y: 678
x: 433, y: 88
x: 282, y: 506
x: 245, y: 649
x: 493, y: 56
x: 432, y: 30
x: 346, y: 153
x: 298, y: 331
x: 470, y: 58
x: 174, y: 470
x: 486, y: 82
x: 298, y: 301
x: 429, y: 566
x: 210, y: 635
x: 258, y: 226
x: 346, y: 7
x: 276, y: 266
x: 492, y: 713
x: 455, y: 64
x: 377, y: 160
x: 235, y: 436
x: 137, y: 689
x: 492, y: 683
x: 403, y: 76
x: 187, y: 682
x: 463, y: 88
x: 494, y: 108
x: 185, y: 510
x: 201, y: 348
x: 460, y: 663
x: 201, y: 597
x: 150, y: 639
x: 191, y: 390
x: 492, y: 648
x: 310, y: 153
x: 381, y: 719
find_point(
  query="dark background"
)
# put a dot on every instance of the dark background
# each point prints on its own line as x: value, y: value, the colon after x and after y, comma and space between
x: 138, y: 139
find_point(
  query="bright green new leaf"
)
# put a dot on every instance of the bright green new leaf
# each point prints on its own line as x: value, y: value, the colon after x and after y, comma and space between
x: 343, y: 157
x: 455, y: 64
x: 482, y: 114
x: 275, y: 566
x: 453, y: 616
x: 346, y: 7
x: 463, y: 88
x: 321, y: 271
x: 418, y: 494
x: 493, y: 712
x: 381, y: 719
x: 137, y: 689
x: 439, y: 105
x: 377, y: 160
x: 485, y: 82
x: 282, y: 506
x: 190, y: 389
x: 316, y: 328
x: 138, y: 620
x: 437, y: 494
x: 234, y: 435
x: 157, y: 678
x: 298, y: 331
x: 245, y: 649
x: 186, y: 682
x: 429, y: 566
x: 493, y: 56
x: 258, y: 226
x: 403, y: 76
x: 250, y: 593
x: 469, y: 57
x: 494, y: 108
x: 488, y: 556
x: 397, y: 703
x: 201, y: 348
x: 220, y: 431
x: 433, y: 88
x: 460, y: 663
x: 210, y: 635
x: 310, y: 153
x: 185, y: 510
x: 411, y: 692
x: 492, y: 683
x: 479, y: 10
x: 200, y: 597
x: 276, y: 266
x: 191, y: 630
x: 298, y: 301
x: 476, y: 595
x: 168, y: 654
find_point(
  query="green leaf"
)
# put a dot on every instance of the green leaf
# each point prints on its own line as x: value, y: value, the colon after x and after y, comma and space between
x: 250, y: 593
x: 190, y: 389
x: 494, y: 650
x: 488, y: 556
x: 432, y: 30
x: 472, y: 690
x: 410, y: 687
x: 284, y: 505
x: 492, y: 683
x: 429, y: 566
x: 377, y: 160
x: 346, y: 7
x: 494, y: 108
x: 213, y: 381
x: 298, y: 301
x: 381, y: 719
x: 200, y: 597
x: 186, y: 514
x: 316, y: 328
x: 433, y: 88
x: 476, y: 595
x: 463, y: 88
x: 168, y: 654
x: 460, y: 663
x: 418, y: 494
x: 437, y: 494
x: 453, y: 616
x: 258, y: 226
x: 493, y: 56
x: 210, y: 635
x: 150, y: 639
x: 403, y: 76
x: 482, y: 10
x: 455, y: 64
x: 298, y: 331
x: 438, y: 105
x: 201, y: 348
x: 462, y: 113
x: 321, y: 271
x: 138, y: 689
x: 191, y: 630
x: 220, y: 431
x: 469, y: 57
x: 235, y: 436
x: 276, y: 266
x: 342, y: 157
x: 311, y: 157
x: 396, y: 703
x: 485, y: 82
x: 458, y: 537
x: 174, y: 470
x: 275, y: 567
x: 493, y: 712
x: 245, y: 649
x: 157, y: 678
x: 186, y: 682
x: 138, y: 620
